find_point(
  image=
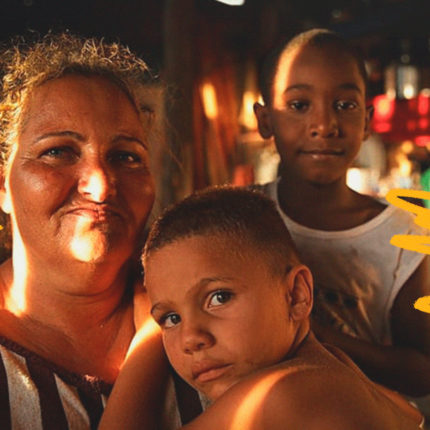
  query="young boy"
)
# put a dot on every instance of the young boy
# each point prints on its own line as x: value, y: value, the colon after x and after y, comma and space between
x: 233, y: 303
x: 314, y: 91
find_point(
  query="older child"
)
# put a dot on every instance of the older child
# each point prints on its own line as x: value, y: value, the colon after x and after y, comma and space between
x: 314, y: 91
x: 233, y: 303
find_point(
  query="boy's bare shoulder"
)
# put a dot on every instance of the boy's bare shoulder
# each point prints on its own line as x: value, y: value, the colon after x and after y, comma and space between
x: 312, y: 390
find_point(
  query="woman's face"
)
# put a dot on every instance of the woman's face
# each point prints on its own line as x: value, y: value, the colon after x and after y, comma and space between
x: 78, y: 183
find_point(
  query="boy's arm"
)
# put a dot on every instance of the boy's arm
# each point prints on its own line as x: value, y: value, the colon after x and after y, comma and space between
x: 139, y: 391
x: 405, y: 366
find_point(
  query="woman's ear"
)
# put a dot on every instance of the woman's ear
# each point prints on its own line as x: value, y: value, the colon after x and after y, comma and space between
x: 264, y: 121
x: 5, y: 202
x: 300, y: 290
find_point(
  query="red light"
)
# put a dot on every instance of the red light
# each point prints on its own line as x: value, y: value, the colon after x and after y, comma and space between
x: 422, y: 140
x: 423, y: 105
x: 384, y: 107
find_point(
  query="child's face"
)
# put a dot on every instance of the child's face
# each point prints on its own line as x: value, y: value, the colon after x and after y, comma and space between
x: 222, y: 316
x: 318, y: 114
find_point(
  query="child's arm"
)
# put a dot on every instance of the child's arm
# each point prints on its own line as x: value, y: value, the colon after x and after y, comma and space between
x: 405, y: 366
x: 139, y: 392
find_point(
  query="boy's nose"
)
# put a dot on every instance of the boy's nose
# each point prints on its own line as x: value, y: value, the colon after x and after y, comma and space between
x: 196, y: 338
x: 324, y: 124
x: 96, y: 182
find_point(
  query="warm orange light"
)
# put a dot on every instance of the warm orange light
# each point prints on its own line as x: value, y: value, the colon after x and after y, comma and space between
x: 147, y: 331
x: 247, y: 117
x: 208, y: 95
x: 246, y: 411
x: 15, y: 297
x: 407, y: 147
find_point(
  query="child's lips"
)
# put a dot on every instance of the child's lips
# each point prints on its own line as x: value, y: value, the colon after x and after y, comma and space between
x: 324, y: 153
x: 208, y: 371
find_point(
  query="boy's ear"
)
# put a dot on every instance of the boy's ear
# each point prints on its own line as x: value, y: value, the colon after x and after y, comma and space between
x: 300, y: 291
x: 5, y: 203
x: 264, y: 121
x: 369, y: 115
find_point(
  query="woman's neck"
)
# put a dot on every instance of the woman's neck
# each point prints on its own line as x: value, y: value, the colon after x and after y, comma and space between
x: 85, y: 328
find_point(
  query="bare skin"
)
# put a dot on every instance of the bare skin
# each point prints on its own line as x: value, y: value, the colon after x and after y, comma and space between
x: 318, y: 119
x: 209, y: 303
x: 78, y: 190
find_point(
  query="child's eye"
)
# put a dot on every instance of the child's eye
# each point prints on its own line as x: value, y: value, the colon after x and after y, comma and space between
x: 170, y: 320
x: 219, y: 297
x: 298, y: 105
x: 345, y: 105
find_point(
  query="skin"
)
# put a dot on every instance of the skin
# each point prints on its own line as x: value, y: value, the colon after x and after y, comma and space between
x: 249, y: 330
x: 318, y: 119
x: 79, y: 191
x: 214, y: 332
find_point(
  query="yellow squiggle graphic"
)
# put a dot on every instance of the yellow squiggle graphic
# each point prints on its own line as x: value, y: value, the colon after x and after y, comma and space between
x: 413, y: 242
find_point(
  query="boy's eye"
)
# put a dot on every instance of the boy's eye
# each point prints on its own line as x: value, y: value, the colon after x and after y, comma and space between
x: 170, y: 320
x: 218, y: 298
x: 345, y: 105
x: 298, y: 105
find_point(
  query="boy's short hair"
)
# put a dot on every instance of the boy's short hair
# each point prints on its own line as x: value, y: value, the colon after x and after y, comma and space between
x: 318, y: 37
x: 247, y: 217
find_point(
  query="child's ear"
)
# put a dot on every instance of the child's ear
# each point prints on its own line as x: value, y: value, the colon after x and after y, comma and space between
x: 5, y: 203
x: 264, y: 121
x: 369, y: 115
x: 300, y: 291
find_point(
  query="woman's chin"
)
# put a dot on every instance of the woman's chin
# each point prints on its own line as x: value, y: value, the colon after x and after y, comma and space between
x: 92, y: 247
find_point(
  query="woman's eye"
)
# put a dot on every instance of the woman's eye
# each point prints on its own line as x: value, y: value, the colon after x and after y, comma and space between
x: 170, y: 320
x: 126, y: 158
x: 218, y: 298
x: 59, y: 153
x: 298, y: 105
x: 345, y: 105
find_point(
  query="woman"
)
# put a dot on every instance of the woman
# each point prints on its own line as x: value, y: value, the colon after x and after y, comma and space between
x: 77, y: 187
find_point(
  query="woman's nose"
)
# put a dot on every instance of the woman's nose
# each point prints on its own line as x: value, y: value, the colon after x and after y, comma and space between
x: 324, y: 123
x: 96, y: 182
x: 195, y: 338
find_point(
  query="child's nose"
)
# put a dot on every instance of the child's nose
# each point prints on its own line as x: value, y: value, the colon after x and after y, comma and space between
x: 324, y: 124
x: 195, y: 338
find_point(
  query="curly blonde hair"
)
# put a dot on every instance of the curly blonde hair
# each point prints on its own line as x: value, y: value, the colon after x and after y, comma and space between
x: 26, y: 65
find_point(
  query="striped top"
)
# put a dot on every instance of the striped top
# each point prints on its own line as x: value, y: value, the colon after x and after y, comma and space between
x: 36, y: 394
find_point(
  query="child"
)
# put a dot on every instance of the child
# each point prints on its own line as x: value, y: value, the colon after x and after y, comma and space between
x: 314, y: 91
x: 233, y: 303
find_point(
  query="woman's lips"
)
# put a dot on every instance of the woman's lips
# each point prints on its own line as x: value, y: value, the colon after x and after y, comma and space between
x: 206, y: 372
x: 99, y: 214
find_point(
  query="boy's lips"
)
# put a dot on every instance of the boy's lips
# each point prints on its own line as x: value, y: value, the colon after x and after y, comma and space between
x: 205, y: 371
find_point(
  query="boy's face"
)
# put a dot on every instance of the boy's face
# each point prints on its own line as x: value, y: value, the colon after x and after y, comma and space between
x: 318, y: 115
x: 222, y: 316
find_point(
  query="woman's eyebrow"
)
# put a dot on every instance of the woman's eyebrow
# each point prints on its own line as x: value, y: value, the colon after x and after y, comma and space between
x: 129, y: 138
x: 65, y: 133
